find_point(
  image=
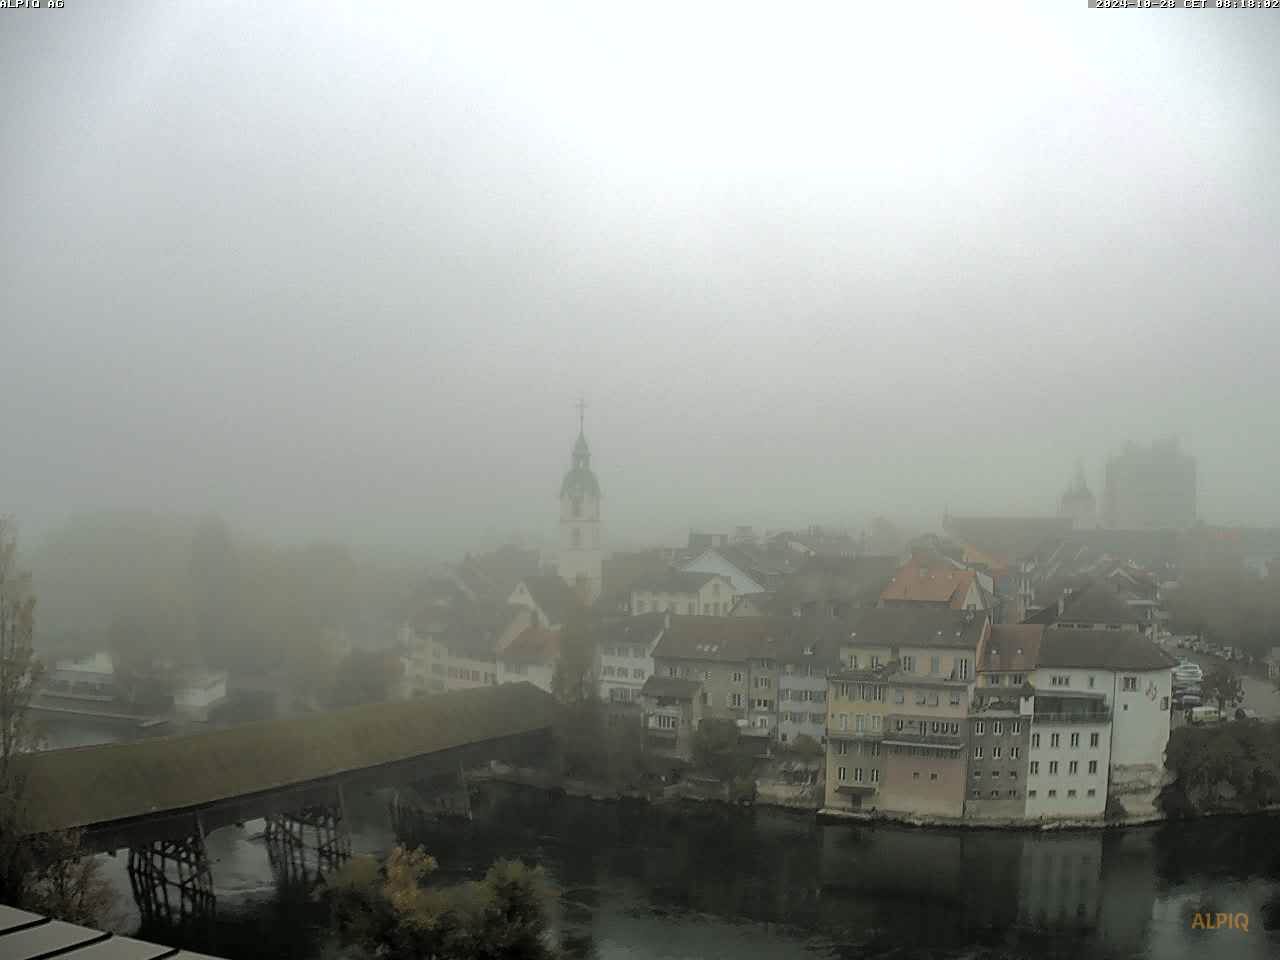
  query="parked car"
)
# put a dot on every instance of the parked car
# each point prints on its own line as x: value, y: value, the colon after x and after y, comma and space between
x: 1244, y: 713
x: 1205, y: 715
x: 1188, y: 702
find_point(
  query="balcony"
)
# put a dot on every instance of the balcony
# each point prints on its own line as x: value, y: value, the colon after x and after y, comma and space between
x: 906, y: 738
x: 1102, y: 715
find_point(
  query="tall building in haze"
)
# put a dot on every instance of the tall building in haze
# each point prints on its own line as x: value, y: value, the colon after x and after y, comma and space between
x: 1150, y: 488
x: 1078, y: 503
x: 581, y: 557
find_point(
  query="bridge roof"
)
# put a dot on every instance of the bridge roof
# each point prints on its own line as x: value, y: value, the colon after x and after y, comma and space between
x: 84, y: 786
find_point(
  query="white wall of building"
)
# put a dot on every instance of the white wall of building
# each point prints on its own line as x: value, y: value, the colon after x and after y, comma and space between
x: 711, y: 562
x: 713, y: 598
x: 1141, y: 717
x: 1049, y: 794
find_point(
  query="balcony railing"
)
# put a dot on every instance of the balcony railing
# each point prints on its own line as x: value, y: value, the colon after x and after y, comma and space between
x: 1096, y: 716
x: 924, y: 739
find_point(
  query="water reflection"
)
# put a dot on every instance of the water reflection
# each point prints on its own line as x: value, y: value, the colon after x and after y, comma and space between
x: 703, y: 881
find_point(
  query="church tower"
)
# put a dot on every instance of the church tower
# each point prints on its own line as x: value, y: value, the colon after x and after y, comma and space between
x: 581, y: 558
x: 1078, y: 503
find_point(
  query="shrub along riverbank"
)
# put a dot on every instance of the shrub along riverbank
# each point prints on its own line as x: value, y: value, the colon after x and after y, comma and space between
x: 1222, y: 768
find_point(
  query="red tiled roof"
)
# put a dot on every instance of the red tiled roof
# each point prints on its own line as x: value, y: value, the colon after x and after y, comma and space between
x: 533, y: 644
x: 926, y: 579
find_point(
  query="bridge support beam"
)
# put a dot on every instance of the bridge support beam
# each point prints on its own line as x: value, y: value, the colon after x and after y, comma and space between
x: 171, y: 880
x: 429, y: 801
x: 305, y: 844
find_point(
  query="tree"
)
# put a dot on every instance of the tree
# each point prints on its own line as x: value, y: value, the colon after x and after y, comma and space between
x: 394, y: 911
x: 717, y: 748
x: 20, y: 673
x: 141, y: 660
x: 1221, y: 684
x: 365, y: 676
x: 574, y: 677
x: 48, y: 874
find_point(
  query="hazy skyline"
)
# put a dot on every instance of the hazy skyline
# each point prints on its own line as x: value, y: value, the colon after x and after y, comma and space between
x: 342, y: 270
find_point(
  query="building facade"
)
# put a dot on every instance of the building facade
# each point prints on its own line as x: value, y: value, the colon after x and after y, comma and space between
x: 624, y: 656
x: 1150, y: 488
x: 683, y: 591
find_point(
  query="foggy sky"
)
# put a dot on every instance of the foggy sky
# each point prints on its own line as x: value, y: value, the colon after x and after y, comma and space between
x: 343, y: 269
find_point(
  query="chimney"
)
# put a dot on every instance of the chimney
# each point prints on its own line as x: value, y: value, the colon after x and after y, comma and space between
x: 666, y: 619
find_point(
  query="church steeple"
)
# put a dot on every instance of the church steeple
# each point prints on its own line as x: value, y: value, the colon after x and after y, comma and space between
x: 580, y: 563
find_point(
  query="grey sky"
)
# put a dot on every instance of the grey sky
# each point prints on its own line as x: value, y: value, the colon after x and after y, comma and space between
x: 342, y: 269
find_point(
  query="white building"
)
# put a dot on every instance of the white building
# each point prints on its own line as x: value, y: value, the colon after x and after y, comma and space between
x: 684, y: 591
x: 581, y: 560
x: 199, y: 691
x: 86, y: 678
x: 1069, y: 756
x: 531, y: 656
x: 624, y: 654
x: 715, y: 561
x: 1117, y: 684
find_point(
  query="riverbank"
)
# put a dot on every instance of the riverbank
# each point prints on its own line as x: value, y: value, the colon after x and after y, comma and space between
x: 713, y: 792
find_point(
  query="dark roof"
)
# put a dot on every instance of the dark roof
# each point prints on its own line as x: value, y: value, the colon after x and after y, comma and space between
x: 620, y: 570
x: 644, y: 628
x: 1012, y: 646
x: 495, y: 574
x: 855, y: 580
x: 533, y: 645
x: 674, y: 687
x: 83, y: 786
x: 553, y: 596
x: 735, y: 639
x: 912, y: 626
x: 1104, y: 649
x: 1009, y: 538
x: 472, y: 627
x: 1094, y: 602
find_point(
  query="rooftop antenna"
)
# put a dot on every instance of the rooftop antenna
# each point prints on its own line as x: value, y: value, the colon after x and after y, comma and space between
x: 582, y: 410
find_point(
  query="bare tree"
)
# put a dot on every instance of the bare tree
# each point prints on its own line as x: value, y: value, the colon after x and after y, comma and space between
x: 19, y: 674
x: 49, y: 874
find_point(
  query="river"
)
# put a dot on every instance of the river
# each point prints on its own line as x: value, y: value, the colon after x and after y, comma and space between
x: 640, y: 882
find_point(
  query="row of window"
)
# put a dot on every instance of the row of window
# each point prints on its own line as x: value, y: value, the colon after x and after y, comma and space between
x: 996, y: 753
x: 1091, y: 792
x: 803, y: 696
x: 458, y: 673
x: 688, y: 607
x: 976, y: 794
x: 1072, y: 767
x: 1003, y: 679
x: 1055, y: 740
x: 843, y: 748
x: 995, y: 774
x: 637, y: 653
x: 607, y: 671
x: 873, y: 692
x: 997, y: 727
x: 962, y: 668
x: 862, y: 722
x: 795, y: 717
x: 1128, y: 684
x: 842, y: 775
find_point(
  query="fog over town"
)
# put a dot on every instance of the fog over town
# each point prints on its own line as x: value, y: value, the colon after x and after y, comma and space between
x: 575, y: 481
x: 343, y: 274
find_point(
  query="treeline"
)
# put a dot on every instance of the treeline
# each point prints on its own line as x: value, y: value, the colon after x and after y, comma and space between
x: 1222, y: 768
x: 162, y: 593
x: 1230, y: 605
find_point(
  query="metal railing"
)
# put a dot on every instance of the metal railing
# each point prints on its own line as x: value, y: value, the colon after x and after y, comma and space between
x: 1096, y: 716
